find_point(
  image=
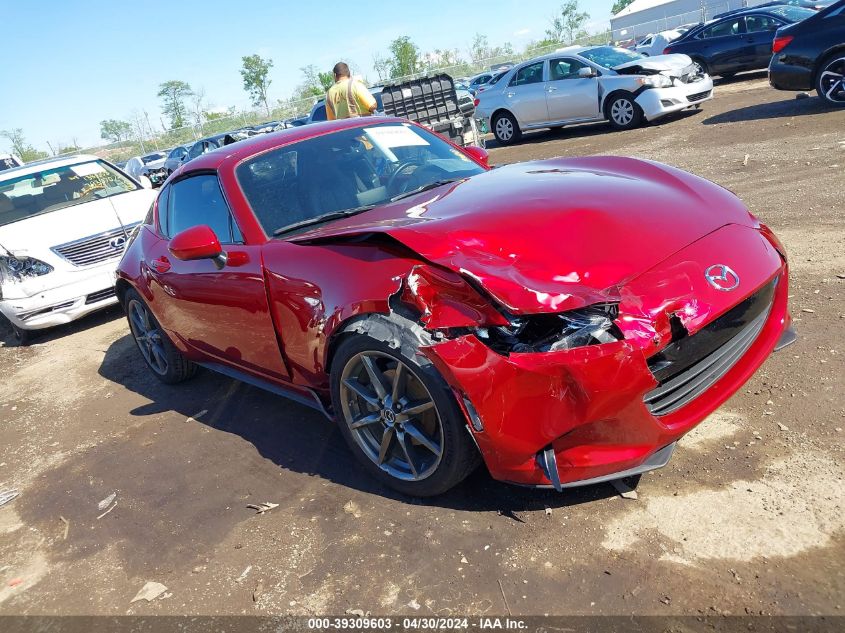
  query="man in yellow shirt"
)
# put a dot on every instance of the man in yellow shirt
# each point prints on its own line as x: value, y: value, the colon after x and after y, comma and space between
x: 348, y: 97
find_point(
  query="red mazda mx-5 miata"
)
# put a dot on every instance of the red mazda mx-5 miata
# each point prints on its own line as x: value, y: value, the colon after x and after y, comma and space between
x: 565, y: 321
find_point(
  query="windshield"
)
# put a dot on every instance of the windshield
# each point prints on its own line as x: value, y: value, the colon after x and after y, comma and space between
x: 56, y: 188
x: 793, y: 14
x: 350, y: 170
x: 610, y: 56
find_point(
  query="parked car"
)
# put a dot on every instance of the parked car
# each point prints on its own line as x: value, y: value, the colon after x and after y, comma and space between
x: 209, y: 143
x: 815, y: 5
x: 444, y: 313
x: 149, y: 165
x: 63, y: 225
x: 8, y: 161
x: 175, y: 157
x: 477, y: 80
x: 491, y: 82
x: 811, y: 55
x: 656, y: 43
x: 740, y: 41
x: 581, y: 84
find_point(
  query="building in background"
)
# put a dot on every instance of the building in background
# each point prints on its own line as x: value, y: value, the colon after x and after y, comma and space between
x: 643, y: 17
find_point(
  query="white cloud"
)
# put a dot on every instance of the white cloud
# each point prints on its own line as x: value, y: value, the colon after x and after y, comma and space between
x: 521, y: 32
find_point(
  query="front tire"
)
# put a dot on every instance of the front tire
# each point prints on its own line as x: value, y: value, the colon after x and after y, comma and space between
x: 830, y: 81
x: 506, y: 129
x: 399, y: 416
x: 20, y: 337
x: 166, y: 362
x: 623, y: 112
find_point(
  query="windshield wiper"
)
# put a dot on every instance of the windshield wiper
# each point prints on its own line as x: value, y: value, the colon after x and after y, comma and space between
x: 326, y: 217
x: 431, y: 185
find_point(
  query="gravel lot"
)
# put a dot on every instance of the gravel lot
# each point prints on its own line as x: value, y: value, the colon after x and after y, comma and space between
x: 746, y: 518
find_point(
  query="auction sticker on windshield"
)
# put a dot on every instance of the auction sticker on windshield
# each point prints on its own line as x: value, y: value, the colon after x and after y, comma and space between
x: 388, y: 136
x: 87, y: 169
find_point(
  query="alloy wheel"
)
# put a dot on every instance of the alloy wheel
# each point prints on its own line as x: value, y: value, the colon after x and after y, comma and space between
x: 148, y: 337
x: 391, y: 415
x: 832, y: 81
x: 622, y: 112
x: 504, y: 129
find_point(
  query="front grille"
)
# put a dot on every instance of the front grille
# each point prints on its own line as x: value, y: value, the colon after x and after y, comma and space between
x: 698, y: 96
x: 689, y: 366
x: 100, y: 295
x: 96, y: 248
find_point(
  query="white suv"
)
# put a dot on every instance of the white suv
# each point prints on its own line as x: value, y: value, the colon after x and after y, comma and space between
x: 64, y: 224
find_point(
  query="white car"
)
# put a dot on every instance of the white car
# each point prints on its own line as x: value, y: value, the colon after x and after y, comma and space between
x: 64, y: 224
x: 581, y: 84
x: 654, y: 44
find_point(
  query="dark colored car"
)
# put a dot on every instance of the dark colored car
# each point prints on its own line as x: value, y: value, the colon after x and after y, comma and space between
x: 811, y: 55
x: 559, y: 320
x: 740, y: 41
x: 815, y: 5
x: 175, y: 158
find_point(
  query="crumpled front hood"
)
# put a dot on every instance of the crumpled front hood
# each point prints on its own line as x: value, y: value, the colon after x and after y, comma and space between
x: 673, y: 65
x: 553, y: 235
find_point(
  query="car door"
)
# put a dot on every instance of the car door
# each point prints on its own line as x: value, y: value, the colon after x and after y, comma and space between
x: 570, y: 97
x: 722, y: 45
x: 759, y: 33
x: 222, y: 313
x: 525, y: 95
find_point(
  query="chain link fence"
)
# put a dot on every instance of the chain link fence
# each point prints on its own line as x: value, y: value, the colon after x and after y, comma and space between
x: 146, y: 139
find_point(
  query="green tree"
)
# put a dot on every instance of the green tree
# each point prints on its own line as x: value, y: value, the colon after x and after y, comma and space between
x: 534, y: 49
x: 568, y: 25
x: 173, y: 94
x: 254, y: 72
x: 115, y: 130
x: 24, y: 150
x: 619, y: 5
x: 311, y: 85
x: 326, y: 80
x: 404, y: 59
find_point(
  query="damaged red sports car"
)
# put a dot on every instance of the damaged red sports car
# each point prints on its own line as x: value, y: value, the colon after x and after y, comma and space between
x: 564, y: 321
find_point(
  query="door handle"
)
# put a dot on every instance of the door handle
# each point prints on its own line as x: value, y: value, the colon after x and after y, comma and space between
x: 510, y: 94
x: 160, y: 265
x: 552, y: 89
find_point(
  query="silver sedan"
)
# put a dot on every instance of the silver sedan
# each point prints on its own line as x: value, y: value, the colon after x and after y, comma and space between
x: 581, y: 84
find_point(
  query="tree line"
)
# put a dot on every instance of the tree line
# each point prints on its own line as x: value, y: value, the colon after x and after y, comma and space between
x: 182, y: 105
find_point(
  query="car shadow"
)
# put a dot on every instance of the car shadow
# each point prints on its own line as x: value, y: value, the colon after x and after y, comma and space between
x: 89, y: 321
x: 741, y: 77
x: 774, y: 110
x: 299, y: 439
x: 584, y: 130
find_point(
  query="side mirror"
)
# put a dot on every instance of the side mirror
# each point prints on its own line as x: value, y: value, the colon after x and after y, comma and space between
x: 586, y: 72
x: 146, y: 183
x: 478, y: 153
x: 197, y: 242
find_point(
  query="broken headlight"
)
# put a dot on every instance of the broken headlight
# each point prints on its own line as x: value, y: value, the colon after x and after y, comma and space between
x: 655, y: 81
x: 553, y: 332
x: 16, y: 268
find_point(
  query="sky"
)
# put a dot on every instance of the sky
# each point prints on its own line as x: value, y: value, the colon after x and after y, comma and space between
x: 74, y: 63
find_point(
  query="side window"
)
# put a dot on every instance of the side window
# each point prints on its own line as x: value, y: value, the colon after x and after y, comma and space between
x: 565, y: 68
x: 319, y: 113
x: 199, y: 200
x: 531, y: 74
x: 647, y: 41
x: 162, y: 210
x: 196, y: 150
x: 728, y: 27
x: 758, y: 23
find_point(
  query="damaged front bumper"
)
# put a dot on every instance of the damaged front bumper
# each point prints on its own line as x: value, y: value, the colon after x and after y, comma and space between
x: 658, y: 102
x: 584, y: 415
x: 35, y: 310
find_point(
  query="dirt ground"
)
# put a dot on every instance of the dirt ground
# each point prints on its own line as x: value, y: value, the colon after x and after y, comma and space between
x: 746, y: 518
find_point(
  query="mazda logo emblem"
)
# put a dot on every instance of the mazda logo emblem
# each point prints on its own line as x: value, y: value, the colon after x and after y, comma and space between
x: 117, y: 242
x: 721, y: 277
